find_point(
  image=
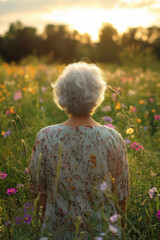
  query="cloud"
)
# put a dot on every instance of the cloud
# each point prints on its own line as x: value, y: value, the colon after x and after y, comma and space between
x: 136, y: 3
x: 16, y: 6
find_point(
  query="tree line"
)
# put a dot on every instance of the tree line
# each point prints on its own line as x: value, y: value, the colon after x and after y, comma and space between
x: 63, y: 45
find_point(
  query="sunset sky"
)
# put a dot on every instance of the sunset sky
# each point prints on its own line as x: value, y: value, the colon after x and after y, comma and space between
x: 83, y: 15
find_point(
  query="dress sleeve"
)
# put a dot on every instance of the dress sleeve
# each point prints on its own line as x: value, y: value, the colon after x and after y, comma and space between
x: 122, y: 172
x: 37, y: 166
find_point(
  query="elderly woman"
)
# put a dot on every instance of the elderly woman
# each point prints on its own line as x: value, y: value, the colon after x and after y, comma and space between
x: 79, y: 167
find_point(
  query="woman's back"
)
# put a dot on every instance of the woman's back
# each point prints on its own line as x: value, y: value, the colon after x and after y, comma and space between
x: 90, y: 156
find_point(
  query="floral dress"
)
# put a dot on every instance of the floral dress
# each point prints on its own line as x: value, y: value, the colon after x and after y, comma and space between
x: 70, y: 164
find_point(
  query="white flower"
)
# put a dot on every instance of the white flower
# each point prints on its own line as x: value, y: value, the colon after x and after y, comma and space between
x: 103, y: 186
x: 152, y: 191
x: 113, y: 229
x: 43, y: 238
x: 98, y: 238
x: 115, y: 218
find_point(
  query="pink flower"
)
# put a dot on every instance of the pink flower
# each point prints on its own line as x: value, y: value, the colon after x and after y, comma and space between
x: 115, y: 218
x: 7, y: 112
x: 156, y: 117
x: 136, y: 146
x: 151, y: 100
x: 106, y: 108
x: 152, y: 192
x: 11, y: 191
x: 3, y: 175
x: 158, y: 215
x: 110, y: 126
x: 26, y: 171
x: 17, y: 95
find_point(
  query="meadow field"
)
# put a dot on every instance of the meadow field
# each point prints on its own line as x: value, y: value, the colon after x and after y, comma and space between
x: 131, y: 106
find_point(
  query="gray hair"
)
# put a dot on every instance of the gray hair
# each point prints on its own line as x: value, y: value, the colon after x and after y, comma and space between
x: 79, y: 90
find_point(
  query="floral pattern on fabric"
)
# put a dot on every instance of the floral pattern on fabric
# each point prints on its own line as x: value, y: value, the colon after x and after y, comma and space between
x: 90, y: 155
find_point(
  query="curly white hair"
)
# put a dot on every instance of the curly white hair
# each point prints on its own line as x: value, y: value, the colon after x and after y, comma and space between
x: 79, y: 90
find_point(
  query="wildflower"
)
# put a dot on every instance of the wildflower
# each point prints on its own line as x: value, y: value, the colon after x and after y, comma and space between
x: 106, y: 108
x: 6, y: 134
x: 27, y: 218
x: 2, y: 133
x: 11, y: 111
x: 118, y: 105
x: 17, y: 95
x: 113, y: 229
x: 11, y: 191
x: 151, y: 99
x: 152, y: 192
x: 28, y: 206
x: 115, y: 218
x: 133, y: 108
x: 7, y: 223
x: 98, y: 238
x: 136, y: 146
x: 145, y: 128
x: 158, y: 215
x: 157, y: 117
x: 43, y: 238
x: 153, y: 110
x: 129, y: 131
x: 105, y: 119
x: 18, y: 220
x: 7, y: 112
x: 3, y: 175
x: 26, y: 171
x: 141, y: 102
x: 103, y: 186
x: 114, y: 97
x: 139, y: 120
x: 110, y: 126
x: 127, y: 141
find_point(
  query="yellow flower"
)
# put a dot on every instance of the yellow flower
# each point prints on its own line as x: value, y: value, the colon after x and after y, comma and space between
x: 118, y: 105
x: 24, y: 89
x: 129, y: 131
x: 141, y: 102
x: 11, y: 111
x: 132, y: 136
x: 153, y: 110
x: 139, y: 120
x: 2, y: 133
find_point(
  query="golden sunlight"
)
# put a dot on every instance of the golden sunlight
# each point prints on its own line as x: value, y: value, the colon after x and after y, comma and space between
x: 89, y: 20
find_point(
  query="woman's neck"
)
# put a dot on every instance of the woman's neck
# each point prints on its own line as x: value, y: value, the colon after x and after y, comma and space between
x: 80, y: 121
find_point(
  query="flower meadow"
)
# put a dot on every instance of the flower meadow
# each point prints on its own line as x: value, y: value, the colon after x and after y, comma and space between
x: 131, y: 106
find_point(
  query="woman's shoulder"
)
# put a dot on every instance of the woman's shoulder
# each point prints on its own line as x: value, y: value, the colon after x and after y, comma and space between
x: 47, y: 130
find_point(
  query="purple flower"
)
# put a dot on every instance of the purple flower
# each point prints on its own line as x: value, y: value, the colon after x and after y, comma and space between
x: 145, y: 128
x: 109, y: 119
x: 28, y: 206
x: 17, y: 95
x: 115, y: 218
x: 27, y: 218
x: 18, y: 220
x: 158, y: 215
x: 6, y: 134
x: 127, y: 141
x: 7, y: 223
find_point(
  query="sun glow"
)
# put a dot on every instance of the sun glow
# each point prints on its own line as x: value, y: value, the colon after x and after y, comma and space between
x: 89, y: 20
